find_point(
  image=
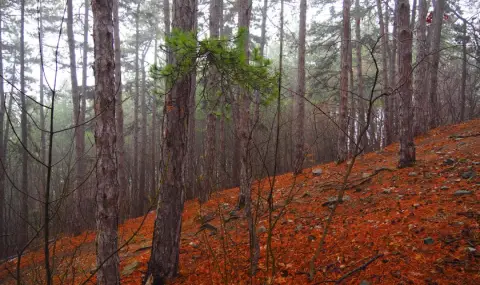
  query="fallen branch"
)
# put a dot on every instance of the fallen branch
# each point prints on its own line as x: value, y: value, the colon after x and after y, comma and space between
x: 362, y: 267
x: 464, y: 136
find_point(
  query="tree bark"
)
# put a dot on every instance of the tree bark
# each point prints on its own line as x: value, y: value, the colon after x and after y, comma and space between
x: 360, y: 86
x: 135, y: 191
x: 79, y: 135
x: 142, y: 188
x: 122, y: 175
x: 342, y: 116
x: 407, y: 147
x: 299, y: 135
x: 105, y: 141
x: 435, y: 61
x: 164, y: 256
x: 23, y: 236
x: 464, y: 73
x: 3, y: 164
x: 421, y: 109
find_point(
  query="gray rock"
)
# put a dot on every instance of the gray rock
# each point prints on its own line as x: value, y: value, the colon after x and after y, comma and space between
x: 468, y: 174
x: 365, y: 282
x: 130, y: 268
x: 413, y: 173
x: 298, y: 228
x: 428, y: 240
x: 387, y: 191
x: 366, y: 175
x: 261, y: 230
x: 444, y: 188
x: 449, y: 161
x: 317, y: 172
x: 462, y: 192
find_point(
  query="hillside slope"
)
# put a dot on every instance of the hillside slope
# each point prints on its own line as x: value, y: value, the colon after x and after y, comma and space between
x: 419, y: 225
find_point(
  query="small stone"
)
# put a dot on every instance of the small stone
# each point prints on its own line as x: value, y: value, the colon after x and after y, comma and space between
x: 130, y: 268
x: 468, y: 174
x: 364, y: 282
x: 387, y: 191
x: 311, y: 238
x: 449, y: 161
x: 428, y: 240
x: 412, y: 173
x: 444, y: 188
x: 366, y: 175
x: 471, y: 249
x: 462, y: 192
x: 306, y: 195
x: 193, y: 244
x: 317, y: 172
x: 476, y: 162
x: 298, y: 228
x: 261, y: 230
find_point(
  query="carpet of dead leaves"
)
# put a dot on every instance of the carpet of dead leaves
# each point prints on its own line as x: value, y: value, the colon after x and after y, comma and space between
x: 424, y: 230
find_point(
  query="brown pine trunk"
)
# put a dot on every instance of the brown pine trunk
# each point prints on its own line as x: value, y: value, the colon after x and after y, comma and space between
x: 83, y: 101
x: 122, y: 175
x: 164, y: 256
x: 407, y: 147
x: 142, y: 188
x: 3, y: 164
x: 299, y: 135
x: 421, y: 109
x: 105, y: 142
x: 342, y: 115
x: 435, y: 61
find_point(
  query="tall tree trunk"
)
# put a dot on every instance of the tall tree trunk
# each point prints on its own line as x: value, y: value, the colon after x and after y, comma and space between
x: 153, y: 144
x: 164, y: 256
x: 387, y: 101
x: 23, y: 238
x: 143, y: 139
x: 212, y: 99
x: 360, y: 86
x: 135, y: 191
x: 191, y: 159
x: 105, y: 142
x: 414, y: 14
x: 299, y: 120
x: 120, y: 145
x: 464, y: 73
x: 342, y: 115
x: 435, y: 61
x: 407, y: 147
x: 3, y: 164
x: 79, y: 136
x: 420, y: 96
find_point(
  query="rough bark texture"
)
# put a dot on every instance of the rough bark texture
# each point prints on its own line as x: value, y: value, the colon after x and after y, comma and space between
x: 122, y: 175
x: 105, y: 142
x: 435, y: 61
x: 342, y: 115
x: 142, y: 188
x: 164, y: 257
x: 136, y: 197
x: 78, y: 133
x: 23, y: 236
x: 407, y: 147
x: 83, y: 100
x: 299, y: 135
x: 420, y: 71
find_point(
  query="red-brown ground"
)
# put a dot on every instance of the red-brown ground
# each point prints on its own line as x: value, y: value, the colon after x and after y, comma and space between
x: 393, y: 214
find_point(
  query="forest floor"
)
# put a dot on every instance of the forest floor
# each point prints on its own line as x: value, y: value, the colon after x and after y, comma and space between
x: 418, y: 225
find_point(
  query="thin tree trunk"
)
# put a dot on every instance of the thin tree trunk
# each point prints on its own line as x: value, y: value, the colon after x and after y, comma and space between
x: 212, y: 98
x: 435, y: 61
x: 79, y: 136
x: 120, y: 145
x: 464, y: 73
x: 407, y: 147
x: 3, y: 164
x: 105, y: 141
x: 23, y: 238
x: 360, y: 86
x: 299, y: 135
x: 153, y: 143
x: 164, y: 256
x: 421, y: 109
x: 385, y: 84
x: 342, y: 116
x: 143, y: 139
x: 135, y: 172
x: 414, y: 14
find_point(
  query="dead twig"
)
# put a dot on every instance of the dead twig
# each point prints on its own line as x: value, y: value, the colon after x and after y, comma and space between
x: 362, y: 267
